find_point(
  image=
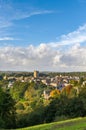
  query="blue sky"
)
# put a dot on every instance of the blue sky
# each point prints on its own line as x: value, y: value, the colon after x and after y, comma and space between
x: 43, y: 34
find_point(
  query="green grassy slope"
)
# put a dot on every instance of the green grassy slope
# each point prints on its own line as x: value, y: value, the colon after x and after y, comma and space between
x: 73, y: 124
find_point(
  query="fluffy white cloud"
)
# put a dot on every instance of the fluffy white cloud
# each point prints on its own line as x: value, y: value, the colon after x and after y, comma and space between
x: 72, y: 38
x: 43, y: 57
x: 74, y: 57
x: 61, y: 56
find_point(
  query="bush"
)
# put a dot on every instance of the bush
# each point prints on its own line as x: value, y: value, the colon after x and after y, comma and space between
x: 60, y: 118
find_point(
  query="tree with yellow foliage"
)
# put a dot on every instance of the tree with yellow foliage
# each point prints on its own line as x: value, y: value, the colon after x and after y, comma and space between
x: 67, y: 89
x: 55, y: 93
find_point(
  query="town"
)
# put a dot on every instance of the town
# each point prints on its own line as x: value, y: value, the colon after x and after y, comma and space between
x: 56, y: 82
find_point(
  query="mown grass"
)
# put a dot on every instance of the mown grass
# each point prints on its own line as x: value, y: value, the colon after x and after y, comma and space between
x: 73, y: 124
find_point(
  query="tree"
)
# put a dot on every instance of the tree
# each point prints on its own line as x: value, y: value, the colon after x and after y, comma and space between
x: 82, y: 96
x: 55, y: 93
x: 67, y: 89
x: 18, y: 90
x: 7, y: 110
x: 1, y: 77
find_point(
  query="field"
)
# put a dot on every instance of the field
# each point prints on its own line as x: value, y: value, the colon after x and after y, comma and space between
x: 73, y: 124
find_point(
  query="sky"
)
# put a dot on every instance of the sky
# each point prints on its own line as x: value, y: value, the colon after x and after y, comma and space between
x: 44, y: 35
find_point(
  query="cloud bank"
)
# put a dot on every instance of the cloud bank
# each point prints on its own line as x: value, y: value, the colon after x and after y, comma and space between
x: 68, y: 54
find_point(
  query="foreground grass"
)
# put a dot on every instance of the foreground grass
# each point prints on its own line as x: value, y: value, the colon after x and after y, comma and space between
x: 73, y: 124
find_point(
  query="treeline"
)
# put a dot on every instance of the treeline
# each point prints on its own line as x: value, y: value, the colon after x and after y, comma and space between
x: 16, y: 74
x: 60, y: 107
x: 24, y: 105
x: 41, y: 74
x: 79, y: 74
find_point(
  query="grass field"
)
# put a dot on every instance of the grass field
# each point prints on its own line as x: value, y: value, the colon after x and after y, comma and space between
x: 73, y: 124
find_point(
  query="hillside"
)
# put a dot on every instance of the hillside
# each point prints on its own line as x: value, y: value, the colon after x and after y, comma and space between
x: 73, y: 124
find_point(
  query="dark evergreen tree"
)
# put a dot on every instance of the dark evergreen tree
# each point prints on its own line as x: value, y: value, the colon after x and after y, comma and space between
x: 7, y: 110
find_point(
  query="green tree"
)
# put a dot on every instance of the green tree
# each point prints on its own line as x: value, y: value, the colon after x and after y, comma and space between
x: 82, y: 95
x: 18, y: 90
x: 7, y: 110
x: 81, y: 80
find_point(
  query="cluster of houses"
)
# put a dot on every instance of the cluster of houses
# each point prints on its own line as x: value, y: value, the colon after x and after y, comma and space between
x: 57, y: 82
